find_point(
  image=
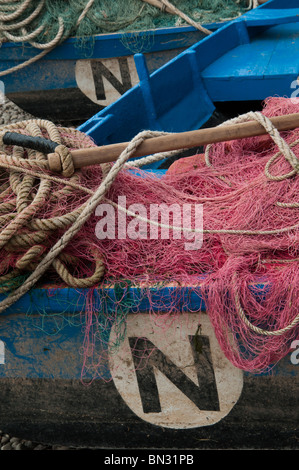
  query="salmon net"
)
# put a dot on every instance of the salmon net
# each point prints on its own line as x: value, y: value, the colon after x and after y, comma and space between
x: 94, y: 228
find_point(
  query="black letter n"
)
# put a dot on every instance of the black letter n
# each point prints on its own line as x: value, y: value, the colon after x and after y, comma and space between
x: 146, y: 356
x: 99, y: 71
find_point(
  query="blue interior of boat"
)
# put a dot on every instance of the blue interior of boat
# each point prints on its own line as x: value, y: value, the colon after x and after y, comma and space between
x: 181, y: 95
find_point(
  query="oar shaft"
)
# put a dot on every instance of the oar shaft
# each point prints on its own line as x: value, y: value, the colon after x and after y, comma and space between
x: 176, y: 141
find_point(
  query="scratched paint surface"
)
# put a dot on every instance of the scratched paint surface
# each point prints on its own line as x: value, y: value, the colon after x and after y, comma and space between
x: 39, y: 347
x: 195, y: 386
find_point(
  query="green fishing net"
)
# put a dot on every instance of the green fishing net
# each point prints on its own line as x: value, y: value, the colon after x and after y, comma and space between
x: 107, y: 16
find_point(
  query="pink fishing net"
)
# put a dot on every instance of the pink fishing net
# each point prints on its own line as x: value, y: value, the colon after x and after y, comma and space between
x: 246, y: 268
x: 248, y: 280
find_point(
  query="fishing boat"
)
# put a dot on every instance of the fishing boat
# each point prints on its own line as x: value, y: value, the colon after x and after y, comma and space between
x: 67, y: 86
x: 187, y: 394
x: 234, y: 69
x: 44, y: 399
x: 82, y: 75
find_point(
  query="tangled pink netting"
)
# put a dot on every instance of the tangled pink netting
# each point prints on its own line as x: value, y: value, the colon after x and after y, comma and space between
x: 248, y: 280
x: 231, y: 264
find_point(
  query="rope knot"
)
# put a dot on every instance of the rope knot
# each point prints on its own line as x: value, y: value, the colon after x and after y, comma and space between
x: 66, y: 161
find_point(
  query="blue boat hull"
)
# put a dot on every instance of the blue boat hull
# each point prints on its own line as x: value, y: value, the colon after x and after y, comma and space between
x: 183, y: 397
x: 200, y: 401
x: 247, y: 60
x: 75, y: 80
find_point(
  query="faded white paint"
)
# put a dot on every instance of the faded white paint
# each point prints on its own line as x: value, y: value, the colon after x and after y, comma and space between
x: 86, y: 81
x: 171, y: 337
x: 2, y: 352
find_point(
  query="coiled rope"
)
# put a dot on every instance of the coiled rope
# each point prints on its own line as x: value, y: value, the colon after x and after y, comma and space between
x: 9, y: 22
x: 18, y: 17
x: 26, y: 235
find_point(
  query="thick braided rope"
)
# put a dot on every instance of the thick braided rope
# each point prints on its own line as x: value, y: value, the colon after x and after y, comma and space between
x: 87, y: 7
x: 77, y: 219
x: 28, y: 37
x: 48, y: 224
x: 31, y: 167
x: 83, y: 216
x: 254, y: 328
x: 21, y: 24
x: 165, y: 5
x: 253, y: 4
x: 284, y: 148
x: 66, y: 161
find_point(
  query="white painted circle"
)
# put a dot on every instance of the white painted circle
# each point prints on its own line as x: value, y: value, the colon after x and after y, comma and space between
x: 171, y: 337
x: 86, y: 78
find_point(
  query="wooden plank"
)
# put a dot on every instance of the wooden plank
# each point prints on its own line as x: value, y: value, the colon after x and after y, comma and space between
x: 260, y: 16
x: 43, y: 398
x: 267, y: 66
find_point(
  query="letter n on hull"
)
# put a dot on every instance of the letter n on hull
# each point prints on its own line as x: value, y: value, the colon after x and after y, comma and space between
x: 147, y: 358
x: 103, y: 81
x: 172, y: 376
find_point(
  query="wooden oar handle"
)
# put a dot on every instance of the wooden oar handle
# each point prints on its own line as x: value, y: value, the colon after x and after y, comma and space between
x: 165, y: 143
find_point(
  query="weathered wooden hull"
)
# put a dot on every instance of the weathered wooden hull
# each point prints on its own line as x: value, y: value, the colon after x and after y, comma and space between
x: 64, y: 412
x: 180, y: 399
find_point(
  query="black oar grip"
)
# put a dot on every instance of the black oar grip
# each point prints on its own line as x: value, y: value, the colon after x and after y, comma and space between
x: 35, y: 143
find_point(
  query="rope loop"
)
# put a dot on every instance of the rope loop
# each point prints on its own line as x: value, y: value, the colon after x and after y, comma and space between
x: 284, y: 148
x: 66, y: 160
x: 34, y: 240
x: 9, y: 15
x: 256, y: 329
x: 60, y: 262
